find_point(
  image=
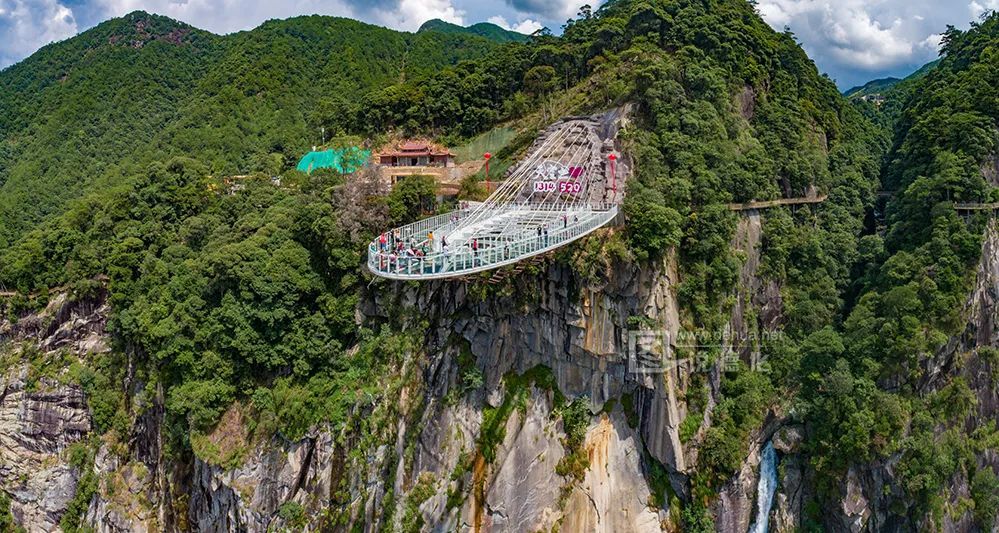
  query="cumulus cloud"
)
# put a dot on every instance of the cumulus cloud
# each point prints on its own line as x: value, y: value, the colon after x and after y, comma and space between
x: 525, y: 26
x: 557, y: 10
x: 855, y: 40
x: 27, y: 25
x: 226, y: 16
x: 984, y: 6
x: 410, y: 14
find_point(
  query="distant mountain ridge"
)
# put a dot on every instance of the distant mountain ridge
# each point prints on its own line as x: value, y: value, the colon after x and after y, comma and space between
x: 882, y: 85
x: 483, y: 29
x: 872, y: 87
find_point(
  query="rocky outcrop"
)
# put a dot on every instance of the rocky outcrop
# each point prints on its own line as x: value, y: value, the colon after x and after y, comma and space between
x: 126, y: 499
x: 788, y: 507
x: 74, y: 325
x: 248, y: 497
x: 37, y: 425
x: 41, y: 416
x: 613, y: 495
x: 522, y: 492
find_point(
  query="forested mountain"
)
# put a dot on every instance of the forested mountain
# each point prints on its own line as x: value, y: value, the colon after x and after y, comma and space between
x: 872, y: 87
x: 86, y: 113
x: 483, y: 29
x: 187, y: 356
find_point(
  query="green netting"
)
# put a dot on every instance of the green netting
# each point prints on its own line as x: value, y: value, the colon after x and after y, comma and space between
x: 344, y: 160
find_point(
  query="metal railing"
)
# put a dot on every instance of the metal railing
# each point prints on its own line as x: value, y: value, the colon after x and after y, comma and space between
x: 461, y: 260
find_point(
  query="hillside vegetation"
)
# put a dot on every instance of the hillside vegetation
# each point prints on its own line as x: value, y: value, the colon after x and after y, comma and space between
x: 114, y: 142
x: 482, y: 29
x: 87, y: 113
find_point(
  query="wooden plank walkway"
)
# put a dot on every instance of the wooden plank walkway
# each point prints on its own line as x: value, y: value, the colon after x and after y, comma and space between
x: 977, y: 206
x: 767, y: 204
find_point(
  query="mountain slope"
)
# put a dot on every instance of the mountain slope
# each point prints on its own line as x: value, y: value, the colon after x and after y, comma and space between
x: 922, y: 328
x: 79, y: 114
x: 253, y: 375
x: 885, y: 85
x: 77, y: 111
x: 872, y: 87
x: 482, y: 29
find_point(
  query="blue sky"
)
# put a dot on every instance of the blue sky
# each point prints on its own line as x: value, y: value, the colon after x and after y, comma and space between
x: 852, y: 40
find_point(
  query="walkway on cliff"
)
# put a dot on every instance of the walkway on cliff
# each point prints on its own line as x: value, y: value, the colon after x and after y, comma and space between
x: 974, y: 206
x: 564, y: 189
x: 767, y: 204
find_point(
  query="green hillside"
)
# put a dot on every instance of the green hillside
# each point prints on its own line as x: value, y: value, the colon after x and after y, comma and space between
x: 87, y: 112
x: 257, y: 298
x: 872, y: 87
x: 482, y: 29
x: 885, y: 85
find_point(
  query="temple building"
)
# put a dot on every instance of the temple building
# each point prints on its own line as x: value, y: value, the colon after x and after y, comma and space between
x: 417, y: 158
x: 417, y: 154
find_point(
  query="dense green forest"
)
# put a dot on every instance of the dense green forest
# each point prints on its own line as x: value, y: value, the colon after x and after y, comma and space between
x: 484, y: 29
x: 88, y: 113
x: 114, y: 144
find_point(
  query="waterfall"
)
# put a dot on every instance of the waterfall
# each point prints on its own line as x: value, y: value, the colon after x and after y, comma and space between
x: 765, y: 490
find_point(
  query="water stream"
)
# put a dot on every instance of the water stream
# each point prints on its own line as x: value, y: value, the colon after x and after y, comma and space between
x: 765, y: 490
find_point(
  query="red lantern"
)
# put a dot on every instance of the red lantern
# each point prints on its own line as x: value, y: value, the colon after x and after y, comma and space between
x: 487, y: 156
x: 613, y: 158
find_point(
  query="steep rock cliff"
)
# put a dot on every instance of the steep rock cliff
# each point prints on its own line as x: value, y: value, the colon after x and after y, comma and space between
x: 42, y: 415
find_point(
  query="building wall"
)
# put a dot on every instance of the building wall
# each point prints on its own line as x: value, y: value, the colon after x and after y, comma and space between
x: 416, y: 161
x: 391, y: 174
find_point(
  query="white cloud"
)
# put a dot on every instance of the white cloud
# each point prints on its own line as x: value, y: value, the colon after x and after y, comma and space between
x: 226, y: 16
x: 858, y: 39
x: 977, y: 8
x: 558, y: 10
x: 526, y: 26
x: 27, y: 25
x: 410, y: 14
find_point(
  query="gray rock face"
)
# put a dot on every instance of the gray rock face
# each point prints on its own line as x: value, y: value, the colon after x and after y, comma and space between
x: 248, y: 497
x: 77, y: 326
x: 614, y: 495
x: 524, y: 489
x: 854, y: 507
x: 41, y: 418
x: 36, y: 427
x: 785, y: 517
x: 733, y: 510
